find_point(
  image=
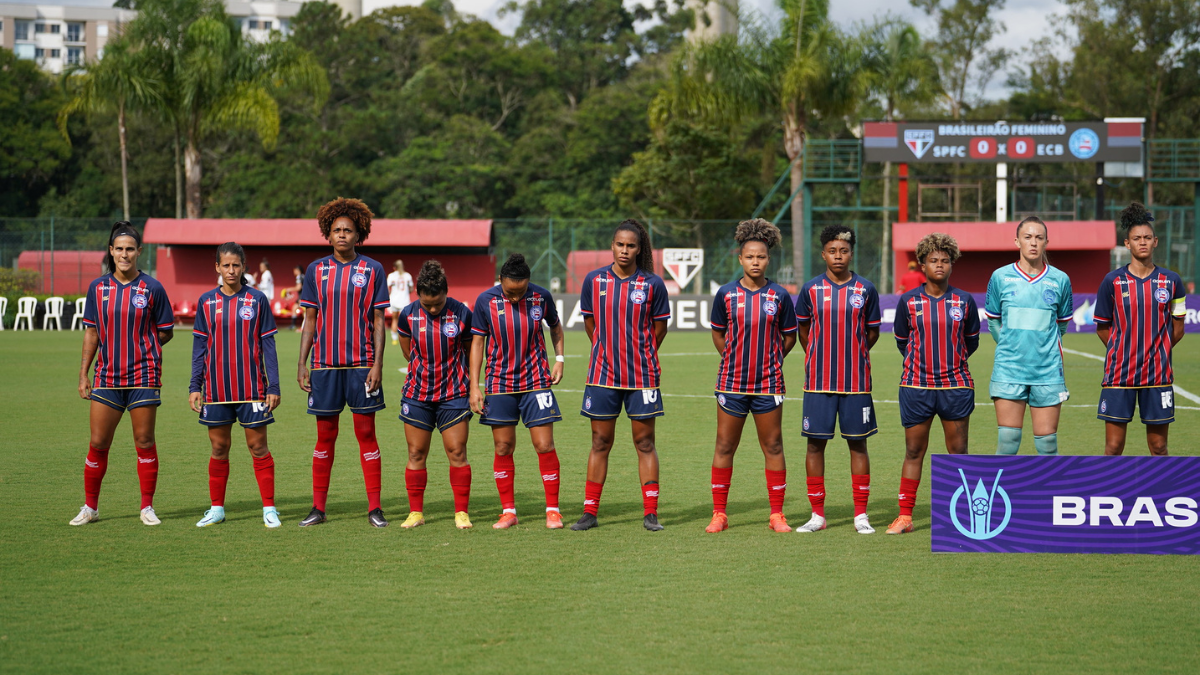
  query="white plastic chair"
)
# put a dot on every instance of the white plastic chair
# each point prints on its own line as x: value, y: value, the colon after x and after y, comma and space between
x: 25, y: 309
x: 3, y: 310
x: 78, y: 318
x: 54, y: 310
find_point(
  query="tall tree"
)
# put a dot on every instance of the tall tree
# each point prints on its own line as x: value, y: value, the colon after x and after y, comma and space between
x: 32, y: 151
x: 967, y: 64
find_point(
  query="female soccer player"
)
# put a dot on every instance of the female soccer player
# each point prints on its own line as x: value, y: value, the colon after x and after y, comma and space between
x: 753, y: 328
x: 344, y: 296
x: 1139, y: 317
x: 1028, y: 306
x: 400, y: 284
x: 435, y: 334
x: 508, y: 322
x: 625, y: 313
x: 235, y: 377
x: 839, y: 320
x: 127, y: 319
x: 937, y: 330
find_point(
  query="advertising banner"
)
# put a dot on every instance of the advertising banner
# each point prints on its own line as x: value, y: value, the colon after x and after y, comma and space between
x: 1031, y: 504
x: 993, y: 142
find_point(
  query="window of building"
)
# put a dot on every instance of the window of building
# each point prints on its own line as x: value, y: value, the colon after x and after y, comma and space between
x: 266, y: 25
x: 55, y: 53
x: 102, y: 29
x: 39, y: 28
x: 40, y: 53
x: 52, y: 28
x: 22, y: 30
x: 25, y: 51
x: 74, y: 56
x: 74, y: 32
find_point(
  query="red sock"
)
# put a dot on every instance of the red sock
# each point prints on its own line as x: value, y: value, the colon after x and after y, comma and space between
x: 862, y: 491
x: 368, y: 454
x: 816, y: 494
x: 415, y: 481
x: 591, y: 497
x: 264, y: 473
x: 327, y: 433
x: 649, y: 499
x: 503, y: 468
x: 94, y: 468
x: 720, y: 488
x: 548, y: 465
x: 218, y: 478
x: 908, y: 495
x: 776, y: 489
x: 460, y: 484
x: 148, y: 473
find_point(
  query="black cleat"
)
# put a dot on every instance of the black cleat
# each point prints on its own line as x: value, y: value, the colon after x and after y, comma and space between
x: 376, y: 518
x: 650, y: 522
x: 586, y: 522
x: 315, y: 517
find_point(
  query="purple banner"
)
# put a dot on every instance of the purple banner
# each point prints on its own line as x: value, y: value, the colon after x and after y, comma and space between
x: 1082, y: 321
x: 1030, y: 504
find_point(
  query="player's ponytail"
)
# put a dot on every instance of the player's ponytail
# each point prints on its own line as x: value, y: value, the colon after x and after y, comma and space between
x: 121, y: 228
x: 236, y: 249
x: 645, y: 256
x: 515, y: 268
x: 431, y: 280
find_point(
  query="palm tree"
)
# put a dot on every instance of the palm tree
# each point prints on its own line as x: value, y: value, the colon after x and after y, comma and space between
x: 801, y: 70
x: 121, y: 81
x: 900, y: 68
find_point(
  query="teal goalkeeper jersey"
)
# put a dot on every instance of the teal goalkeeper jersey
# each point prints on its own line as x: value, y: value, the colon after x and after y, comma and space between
x: 1030, y: 309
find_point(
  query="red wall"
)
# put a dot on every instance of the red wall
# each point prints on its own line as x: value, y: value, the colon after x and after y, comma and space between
x: 72, y: 270
x: 973, y: 270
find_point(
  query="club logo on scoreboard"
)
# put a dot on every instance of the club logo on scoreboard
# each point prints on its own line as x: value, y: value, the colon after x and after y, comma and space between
x: 918, y: 140
x: 1084, y: 143
x: 981, y: 508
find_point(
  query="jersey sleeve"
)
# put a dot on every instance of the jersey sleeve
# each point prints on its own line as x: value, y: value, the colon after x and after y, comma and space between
x: 1179, y: 299
x: 164, y: 318
x: 551, y: 316
x: 402, y: 325
x: 308, y: 289
x: 991, y: 304
x: 971, y: 326
x: 268, y: 327
x: 585, y: 295
x: 900, y: 327
x: 660, y: 305
x: 271, y: 361
x: 1103, y: 311
x: 199, y: 348
x: 200, y: 324
x: 872, y: 308
x: 381, y: 300
x: 89, y: 306
x: 719, y: 317
x: 479, y: 316
x: 787, y: 315
x: 803, y: 306
x: 1066, y: 302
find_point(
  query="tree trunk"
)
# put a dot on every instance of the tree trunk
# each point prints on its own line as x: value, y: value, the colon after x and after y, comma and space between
x: 793, y: 144
x: 178, y: 177
x: 191, y: 162
x: 124, y: 160
x: 885, y: 252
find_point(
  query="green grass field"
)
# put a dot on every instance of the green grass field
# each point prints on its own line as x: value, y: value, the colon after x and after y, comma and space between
x: 119, y: 597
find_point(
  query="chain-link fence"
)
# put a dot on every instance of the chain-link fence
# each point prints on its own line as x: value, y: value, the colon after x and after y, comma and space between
x: 63, y: 252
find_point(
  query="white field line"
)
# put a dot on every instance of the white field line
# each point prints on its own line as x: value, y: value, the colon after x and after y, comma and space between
x: 1179, y: 391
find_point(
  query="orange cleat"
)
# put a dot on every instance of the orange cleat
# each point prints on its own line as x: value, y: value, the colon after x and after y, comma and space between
x: 901, y: 525
x: 553, y: 520
x: 778, y: 523
x: 506, y: 521
x: 719, y: 522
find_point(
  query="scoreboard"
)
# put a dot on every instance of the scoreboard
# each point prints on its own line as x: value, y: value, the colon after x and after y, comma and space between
x: 995, y: 142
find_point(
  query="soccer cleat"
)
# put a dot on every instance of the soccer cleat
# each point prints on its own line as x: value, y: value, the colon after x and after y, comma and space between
x: 270, y: 517
x: 719, y: 523
x: 650, y: 522
x: 212, y: 516
x: 554, y: 520
x: 395, y: 341
x: 314, y: 517
x: 148, y: 516
x: 86, y: 515
x: 900, y: 525
x: 462, y: 521
x: 778, y: 523
x: 814, y: 524
x: 862, y: 524
x: 506, y: 521
x: 414, y: 519
x: 375, y: 516
x: 403, y: 371
x: 586, y: 522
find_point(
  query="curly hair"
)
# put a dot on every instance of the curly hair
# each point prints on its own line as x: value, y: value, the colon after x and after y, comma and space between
x: 431, y: 280
x: 842, y: 232
x: 1135, y: 214
x: 938, y: 242
x: 344, y: 207
x: 757, y: 229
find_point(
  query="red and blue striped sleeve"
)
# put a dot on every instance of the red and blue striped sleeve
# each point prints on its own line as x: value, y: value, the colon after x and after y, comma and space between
x: 89, y: 304
x: 803, y: 306
x: 308, y: 289
x: 873, y: 316
x: 480, y: 320
x: 660, y: 305
x: 551, y: 316
x: 788, y: 323
x: 164, y: 318
x: 719, y: 316
x: 379, y: 279
x: 585, y: 294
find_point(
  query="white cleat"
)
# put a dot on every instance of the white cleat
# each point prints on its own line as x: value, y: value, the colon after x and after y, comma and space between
x: 212, y: 516
x: 148, y: 516
x: 86, y: 515
x: 814, y: 524
x: 270, y: 517
x: 863, y: 525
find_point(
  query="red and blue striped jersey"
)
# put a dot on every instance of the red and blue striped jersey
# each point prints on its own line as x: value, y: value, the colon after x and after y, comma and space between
x: 516, y: 346
x: 345, y: 296
x: 754, y: 323
x: 624, y: 351
x: 127, y: 318
x: 440, y: 351
x: 233, y: 347
x: 837, y: 358
x: 936, y: 335
x: 1141, y: 313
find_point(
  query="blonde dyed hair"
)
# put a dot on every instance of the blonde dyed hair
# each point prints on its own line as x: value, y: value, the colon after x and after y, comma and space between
x: 938, y: 242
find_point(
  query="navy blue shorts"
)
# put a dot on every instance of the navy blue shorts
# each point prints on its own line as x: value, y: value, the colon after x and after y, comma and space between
x: 740, y: 405
x: 603, y: 403
x: 249, y: 415
x: 854, y: 414
x: 429, y: 414
x: 918, y: 405
x: 534, y: 408
x: 1156, y: 404
x: 127, y: 399
x: 333, y: 389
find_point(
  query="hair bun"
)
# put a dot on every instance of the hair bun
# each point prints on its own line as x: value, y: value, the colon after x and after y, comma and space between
x: 1135, y: 214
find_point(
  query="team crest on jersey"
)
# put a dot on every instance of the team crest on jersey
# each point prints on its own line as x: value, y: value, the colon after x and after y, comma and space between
x: 140, y: 300
x: 770, y: 307
x: 204, y: 411
x: 450, y: 329
x: 956, y: 313
x: 1162, y: 295
x: 1049, y: 296
x: 1103, y: 405
x: 535, y: 313
x: 806, y: 424
x: 587, y: 403
x: 721, y: 399
x: 857, y: 300
x: 404, y: 408
x: 246, y: 312
x: 358, y: 279
x: 637, y: 296
x: 310, y: 401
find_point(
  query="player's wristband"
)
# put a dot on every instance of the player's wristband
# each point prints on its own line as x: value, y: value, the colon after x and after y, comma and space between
x: 559, y: 358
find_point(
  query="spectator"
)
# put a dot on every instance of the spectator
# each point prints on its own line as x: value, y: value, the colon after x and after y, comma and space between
x: 912, y: 278
x: 266, y: 281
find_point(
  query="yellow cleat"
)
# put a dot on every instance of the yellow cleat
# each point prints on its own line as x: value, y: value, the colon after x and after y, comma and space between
x: 720, y: 522
x: 901, y: 525
x: 462, y: 521
x: 414, y: 519
x: 778, y: 523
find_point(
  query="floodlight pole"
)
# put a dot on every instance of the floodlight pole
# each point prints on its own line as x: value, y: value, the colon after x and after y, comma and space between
x: 1001, y: 192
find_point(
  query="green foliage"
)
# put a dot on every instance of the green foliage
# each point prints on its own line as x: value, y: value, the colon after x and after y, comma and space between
x: 31, y: 148
x: 18, y: 281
